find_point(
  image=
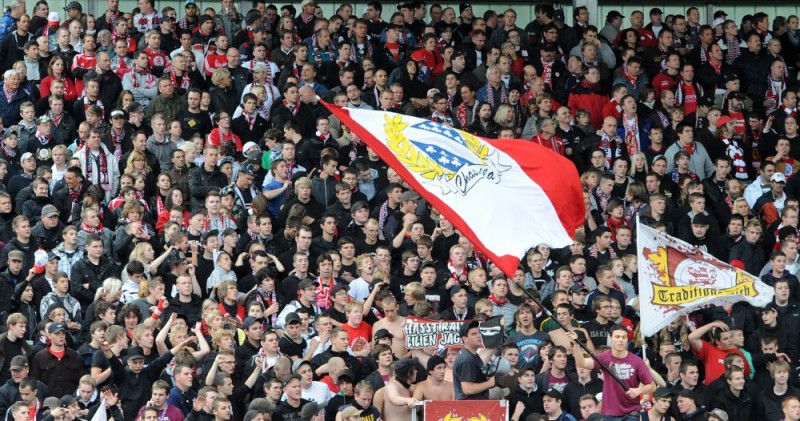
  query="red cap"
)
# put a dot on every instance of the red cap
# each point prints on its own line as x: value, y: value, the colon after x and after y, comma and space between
x: 737, y: 264
x: 723, y: 121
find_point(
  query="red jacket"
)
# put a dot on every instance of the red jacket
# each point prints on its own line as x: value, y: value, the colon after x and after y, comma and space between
x: 589, y: 98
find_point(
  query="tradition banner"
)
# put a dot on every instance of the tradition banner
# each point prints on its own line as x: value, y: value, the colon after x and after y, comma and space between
x: 676, y: 278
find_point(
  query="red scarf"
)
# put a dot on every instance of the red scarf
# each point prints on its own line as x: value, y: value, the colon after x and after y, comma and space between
x: 547, y: 73
x: 717, y: 67
x: 116, y: 139
x: 92, y: 230
x: 75, y: 195
x: 632, y: 79
x: 460, y: 277
x: 631, y: 132
x: 490, y: 95
x: 498, y: 301
x: 183, y: 84
x: 294, y: 108
x: 553, y: 143
x: 102, y: 163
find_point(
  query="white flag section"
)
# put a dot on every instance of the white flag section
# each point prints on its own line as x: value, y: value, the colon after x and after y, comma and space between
x: 101, y: 414
x: 676, y: 278
x: 506, y: 196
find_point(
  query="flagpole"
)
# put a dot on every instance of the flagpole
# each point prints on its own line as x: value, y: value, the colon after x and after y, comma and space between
x: 583, y: 347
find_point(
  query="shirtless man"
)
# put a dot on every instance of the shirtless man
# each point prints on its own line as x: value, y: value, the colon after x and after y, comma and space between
x: 394, y: 324
x: 435, y: 387
x: 398, y: 402
x: 564, y: 314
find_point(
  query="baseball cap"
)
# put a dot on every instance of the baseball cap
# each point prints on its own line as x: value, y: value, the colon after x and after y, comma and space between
x: 729, y: 77
x: 465, y: 327
x: 464, y: 6
x: 737, y: 95
x: 720, y: 14
x: 723, y: 121
x: 26, y: 156
x: 455, y: 290
x: 716, y: 412
x: 248, y: 321
x: 292, y: 318
x: 16, y: 255
x: 769, y: 307
x: 260, y: 67
x: 339, y: 287
x: 209, y: 234
x: 663, y: 392
x: 50, y: 210
x: 175, y: 257
x: 60, y: 327
x: 614, y: 14
x: 718, y: 21
x: 577, y: 287
x: 247, y: 168
x: 778, y: 177
x: 118, y: 114
x: 307, y: 2
x: 73, y: 5
x: 307, y: 283
x: 51, y: 256
x: 700, y: 219
x: 250, y: 145
x: 297, y: 364
x: 228, y: 231
x: 18, y: 363
x: 43, y: 119
x: 67, y: 400
x: 358, y: 206
x: 53, y: 17
x: 135, y: 352
x: 383, y: 333
x: 554, y: 393
x: 656, y: 11
x: 51, y: 402
x: 347, y: 374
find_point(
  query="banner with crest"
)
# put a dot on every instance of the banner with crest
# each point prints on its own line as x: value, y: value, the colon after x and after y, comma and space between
x: 676, y: 278
x: 466, y: 410
x: 505, y: 195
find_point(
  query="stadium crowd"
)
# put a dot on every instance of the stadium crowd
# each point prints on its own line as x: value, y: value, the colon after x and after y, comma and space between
x: 189, y: 234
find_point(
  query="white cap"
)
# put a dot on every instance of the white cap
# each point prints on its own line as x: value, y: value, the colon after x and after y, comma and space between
x: 53, y: 17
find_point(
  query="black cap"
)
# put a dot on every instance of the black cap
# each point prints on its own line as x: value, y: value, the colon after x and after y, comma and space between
x: 613, y: 15
x: 339, y: 287
x: 135, y: 352
x: 700, y: 219
x: 705, y: 101
x: 67, y: 400
x: 249, y: 321
x: 209, y: 234
x: 383, y: 333
x: 554, y: 393
x: 346, y: 374
x: 455, y: 290
x: 394, y: 26
x: 656, y: 11
x: 737, y: 95
x: 202, y: 19
x: 548, y: 47
x: 51, y: 256
x: 463, y: 6
x: 247, y: 168
x: 134, y: 107
x: 465, y: 327
x: 720, y: 14
x: 769, y: 307
x: 663, y: 392
x: 292, y: 318
x: 434, y: 361
x: 558, y: 15
x: 730, y: 77
x: 57, y: 327
x: 686, y: 393
x: 175, y: 257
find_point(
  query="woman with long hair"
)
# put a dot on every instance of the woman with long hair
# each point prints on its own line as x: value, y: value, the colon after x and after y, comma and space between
x: 57, y: 70
x: 413, y: 89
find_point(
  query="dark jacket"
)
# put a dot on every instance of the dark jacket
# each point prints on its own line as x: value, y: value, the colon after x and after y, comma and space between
x: 9, y: 394
x: 135, y: 388
x: 85, y: 272
x: 737, y: 407
x: 60, y: 376
x: 532, y: 401
x: 202, y: 181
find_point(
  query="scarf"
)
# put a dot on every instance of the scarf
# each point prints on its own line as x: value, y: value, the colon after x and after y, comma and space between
x: 632, y: 79
x: 102, y: 164
x: 9, y: 95
x: 9, y: 152
x: 774, y: 93
x: 553, y: 143
x: 547, y: 73
x: 183, y: 83
x: 319, y: 51
x: 594, y: 252
x: 613, y: 225
x: 266, y: 298
x: 578, y: 279
x: 441, y: 118
x: 116, y: 140
x: 293, y: 108
x: 306, y: 18
x: 56, y: 118
x: 43, y: 140
x: 88, y: 103
x: 460, y: 276
x: 603, y: 198
x: 733, y: 51
x: 324, y: 299
x: 717, y: 67
x: 611, y: 148
x: 383, y: 213
x: 490, y: 95
x: 631, y: 134
x: 92, y: 230
x: 499, y: 302
x: 360, y: 51
x: 736, y: 153
x: 633, y: 209
x: 462, y: 114
x: 75, y: 195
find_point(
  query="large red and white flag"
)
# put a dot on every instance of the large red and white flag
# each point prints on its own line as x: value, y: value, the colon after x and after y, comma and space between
x: 506, y: 196
x: 676, y: 278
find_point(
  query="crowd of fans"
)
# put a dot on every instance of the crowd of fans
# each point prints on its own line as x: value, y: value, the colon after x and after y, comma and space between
x: 188, y: 233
